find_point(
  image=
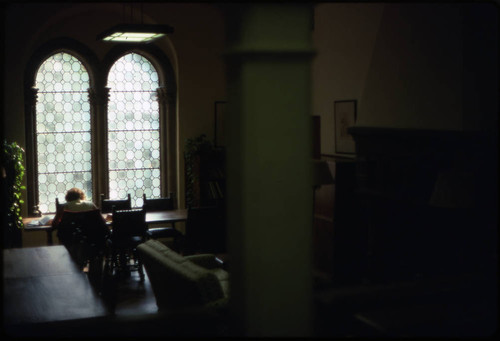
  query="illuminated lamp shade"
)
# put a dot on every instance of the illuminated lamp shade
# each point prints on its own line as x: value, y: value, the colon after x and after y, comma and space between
x: 135, y: 33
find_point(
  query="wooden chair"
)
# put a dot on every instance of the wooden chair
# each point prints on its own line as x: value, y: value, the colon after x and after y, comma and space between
x: 68, y: 229
x: 129, y: 230
x: 107, y: 205
x: 156, y: 232
x: 84, y: 234
x: 59, y: 206
x: 158, y: 204
x: 57, y: 217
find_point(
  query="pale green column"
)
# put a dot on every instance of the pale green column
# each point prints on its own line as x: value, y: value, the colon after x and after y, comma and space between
x: 269, y: 194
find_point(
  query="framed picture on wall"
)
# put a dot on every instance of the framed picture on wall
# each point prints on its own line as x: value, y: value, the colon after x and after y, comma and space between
x: 345, y: 117
x: 219, y: 135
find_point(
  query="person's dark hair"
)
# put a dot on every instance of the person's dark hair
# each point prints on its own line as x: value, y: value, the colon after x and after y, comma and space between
x: 75, y: 194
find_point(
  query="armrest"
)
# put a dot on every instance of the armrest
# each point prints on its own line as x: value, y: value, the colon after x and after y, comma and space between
x: 208, y: 261
x: 218, y: 306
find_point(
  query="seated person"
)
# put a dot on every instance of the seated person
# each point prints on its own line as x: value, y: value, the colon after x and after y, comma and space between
x: 75, y: 202
x: 86, y: 225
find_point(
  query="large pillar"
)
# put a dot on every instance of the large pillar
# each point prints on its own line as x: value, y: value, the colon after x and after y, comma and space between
x: 269, y: 187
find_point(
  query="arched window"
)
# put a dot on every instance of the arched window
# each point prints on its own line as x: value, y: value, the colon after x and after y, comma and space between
x: 108, y: 127
x: 62, y: 129
x: 133, y: 129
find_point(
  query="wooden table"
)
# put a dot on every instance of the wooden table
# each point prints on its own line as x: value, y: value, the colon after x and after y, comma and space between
x: 43, y: 288
x: 159, y: 217
x: 165, y: 217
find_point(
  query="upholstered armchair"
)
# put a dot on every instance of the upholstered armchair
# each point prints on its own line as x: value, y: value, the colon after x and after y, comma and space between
x: 180, y: 282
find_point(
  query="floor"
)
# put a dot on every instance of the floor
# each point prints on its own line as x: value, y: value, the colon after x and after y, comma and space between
x: 135, y: 298
x: 136, y: 314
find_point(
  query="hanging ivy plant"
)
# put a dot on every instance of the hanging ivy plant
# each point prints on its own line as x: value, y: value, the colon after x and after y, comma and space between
x: 13, y: 156
x: 195, y: 147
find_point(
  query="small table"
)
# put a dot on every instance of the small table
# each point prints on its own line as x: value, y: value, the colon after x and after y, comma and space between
x: 43, y: 287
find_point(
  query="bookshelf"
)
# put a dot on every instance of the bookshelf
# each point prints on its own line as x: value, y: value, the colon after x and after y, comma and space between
x: 212, y: 178
x: 205, y: 197
x: 205, y: 175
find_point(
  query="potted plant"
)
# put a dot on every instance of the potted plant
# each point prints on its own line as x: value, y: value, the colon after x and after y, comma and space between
x: 12, y: 176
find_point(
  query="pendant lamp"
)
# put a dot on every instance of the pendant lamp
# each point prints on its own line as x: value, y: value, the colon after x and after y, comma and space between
x: 135, y: 33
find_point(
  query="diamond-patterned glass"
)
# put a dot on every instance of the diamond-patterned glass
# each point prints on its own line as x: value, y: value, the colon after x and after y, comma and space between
x: 133, y: 130
x: 63, y: 136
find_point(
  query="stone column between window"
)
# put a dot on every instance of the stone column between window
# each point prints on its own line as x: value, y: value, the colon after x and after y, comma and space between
x: 31, y: 156
x: 166, y: 101
x: 98, y: 98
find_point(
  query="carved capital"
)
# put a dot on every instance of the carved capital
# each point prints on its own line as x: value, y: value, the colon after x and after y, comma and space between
x: 99, y: 96
x: 164, y: 95
x: 32, y: 96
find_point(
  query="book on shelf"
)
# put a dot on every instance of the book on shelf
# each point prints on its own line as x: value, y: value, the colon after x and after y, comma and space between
x: 213, y: 190
x: 219, y: 190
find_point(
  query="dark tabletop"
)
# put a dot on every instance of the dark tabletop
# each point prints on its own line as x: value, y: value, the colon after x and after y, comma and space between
x: 43, y: 284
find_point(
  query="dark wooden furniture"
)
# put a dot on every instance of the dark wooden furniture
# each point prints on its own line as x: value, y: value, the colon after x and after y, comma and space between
x: 156, y: 231
x: 106, y: 205
x: 428, y: 201
x: 87, y: 242
x: 48, y: 229
x: 158, y: 204
x: 425, y: 232
x: 129, y: 230
x: 205, y: 200
x: 165, y: 217
x: 59, y: 206
x: 160, y: 217
x: 206, y: 181
x: 45, y: 293
x: 205, y: 230
x: 334, y: 221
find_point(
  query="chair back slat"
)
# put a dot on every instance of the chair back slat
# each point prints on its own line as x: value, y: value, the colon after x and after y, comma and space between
x: 107, y: 205
x: 59, y: 206
x: 158, y: 204
x: 128, y: 223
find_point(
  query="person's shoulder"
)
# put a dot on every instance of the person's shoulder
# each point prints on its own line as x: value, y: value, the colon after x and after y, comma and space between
x: 80, y: 205
x: 89, y: 204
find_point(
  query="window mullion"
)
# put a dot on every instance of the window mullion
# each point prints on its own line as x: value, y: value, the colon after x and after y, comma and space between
x: 99, y: 98
x: 31, y: 152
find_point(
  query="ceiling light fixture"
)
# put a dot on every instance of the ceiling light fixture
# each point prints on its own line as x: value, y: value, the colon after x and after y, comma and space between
x: 135, y: 33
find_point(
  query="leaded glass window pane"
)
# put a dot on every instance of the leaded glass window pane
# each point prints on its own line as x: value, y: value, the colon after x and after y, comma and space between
x: 63, y: 136
x: 133, y: 130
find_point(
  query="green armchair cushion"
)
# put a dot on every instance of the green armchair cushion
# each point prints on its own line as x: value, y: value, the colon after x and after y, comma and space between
x: 179, y: 282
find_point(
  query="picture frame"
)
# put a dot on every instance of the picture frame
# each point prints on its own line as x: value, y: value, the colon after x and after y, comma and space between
x: 219, y: 134
x: 345, y: 117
